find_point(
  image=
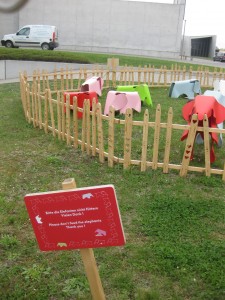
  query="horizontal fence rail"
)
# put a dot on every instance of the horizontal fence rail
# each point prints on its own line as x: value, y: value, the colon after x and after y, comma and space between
x: 64, y: 79
x: 128, y: 142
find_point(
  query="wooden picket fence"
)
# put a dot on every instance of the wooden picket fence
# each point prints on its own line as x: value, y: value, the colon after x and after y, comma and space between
x: 110, y: 138
x: 65, y: 78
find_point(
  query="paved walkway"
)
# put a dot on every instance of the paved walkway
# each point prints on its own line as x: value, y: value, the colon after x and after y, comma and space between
x: 14, y: 69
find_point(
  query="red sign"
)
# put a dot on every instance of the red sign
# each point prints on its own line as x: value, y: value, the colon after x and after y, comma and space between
x: 74, y: 219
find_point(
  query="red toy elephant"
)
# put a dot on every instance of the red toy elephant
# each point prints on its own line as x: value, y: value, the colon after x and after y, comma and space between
x: 215, y: 112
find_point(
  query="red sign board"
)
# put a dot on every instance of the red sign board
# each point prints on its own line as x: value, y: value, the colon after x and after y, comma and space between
x: 74, y: 219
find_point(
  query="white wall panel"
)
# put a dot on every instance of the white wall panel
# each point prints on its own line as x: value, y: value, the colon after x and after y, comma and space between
x: 128, y: 27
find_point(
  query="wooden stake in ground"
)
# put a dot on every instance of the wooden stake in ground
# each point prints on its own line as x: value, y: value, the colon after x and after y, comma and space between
x: 88, y: 258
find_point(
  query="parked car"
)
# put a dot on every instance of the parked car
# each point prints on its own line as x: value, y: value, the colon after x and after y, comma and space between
x: 219, y: 57
x: 44, y: 36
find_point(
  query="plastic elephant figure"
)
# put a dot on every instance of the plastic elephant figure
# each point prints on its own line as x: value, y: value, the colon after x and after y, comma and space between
x: 215, y: 112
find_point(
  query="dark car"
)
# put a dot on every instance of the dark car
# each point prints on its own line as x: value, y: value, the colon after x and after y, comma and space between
x: 219, y: 57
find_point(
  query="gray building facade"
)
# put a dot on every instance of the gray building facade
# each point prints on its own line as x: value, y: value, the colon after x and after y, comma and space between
x: 106, y: 26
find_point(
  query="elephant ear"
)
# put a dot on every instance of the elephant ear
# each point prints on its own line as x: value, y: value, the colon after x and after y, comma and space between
x: 187, y: 110
x: 219, y: 112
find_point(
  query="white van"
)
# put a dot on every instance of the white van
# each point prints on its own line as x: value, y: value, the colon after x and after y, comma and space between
x: 44, y: 36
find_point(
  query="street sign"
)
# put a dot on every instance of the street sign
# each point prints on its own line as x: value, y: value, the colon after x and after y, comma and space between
x: 75, y: 219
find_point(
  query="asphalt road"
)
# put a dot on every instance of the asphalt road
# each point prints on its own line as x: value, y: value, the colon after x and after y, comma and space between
x: 202, y: 61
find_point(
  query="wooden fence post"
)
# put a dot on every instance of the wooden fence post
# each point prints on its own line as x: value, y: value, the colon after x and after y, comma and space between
x: 84, y: 129
x: 168, y: 140
x: 39, y: 99
x: 55, y: 80
x: 36, y: 104
x: 68, y: 139
x: 88, y: 126
x: 223, y: 174
x: 46, y: 111
x: 100, y: 133
x: 51, y: 112
x: 75, y: 123
x: 33, y: 105
x: 63, y: 112
x: 88, y: 258
x: 156, y: 138
x: 59, y: 114
x: 94, y: 127
x: 206, y: 146
x: 111, y: 137
x: 62, y: 79
x: 144, y: 141
x: 127, y: 138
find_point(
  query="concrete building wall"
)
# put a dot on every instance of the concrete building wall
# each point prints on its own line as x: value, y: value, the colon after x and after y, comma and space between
x: 109, y: 26
x: 9, y: 23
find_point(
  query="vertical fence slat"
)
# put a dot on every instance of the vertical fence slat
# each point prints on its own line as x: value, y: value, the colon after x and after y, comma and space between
x: 111, y: 137
x: 75, y: 123
x: 223, y: 175
x: 39, y: 100
x: 139, y: 74
x: 178, y: 73
x: 206, y: 146
x: 46, y: 111
x: 127, y: 138
x: 55, y: 80
x: 51, y: 112
x: 79, y: 78
x: 168, y: 140
x: 62, y: 78
x: 71, y: 79
x: 156, y: 137
x: 145, y: 74
x: 144, y: 141
x: 36, y: 104
x: 63, y: 112
x: 100, y: 133
x: 59, y: 113
x: 189, y: 146
x: 153, y: 75
x: 107, y: 78
x: 83, y: 132
x: 184, y: 73
x: 33, y: 106
x: 47, y: 80
x: 94, y: 127
x: 43, y: 80
x: 159, y: 77
x: 165, y: 75
x: 88, y: 126
x: 67, y: 78
x: 68, y: 137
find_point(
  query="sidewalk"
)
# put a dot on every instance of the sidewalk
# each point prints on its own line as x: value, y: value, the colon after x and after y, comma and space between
x: 9, y: 80
x: 10, y: 69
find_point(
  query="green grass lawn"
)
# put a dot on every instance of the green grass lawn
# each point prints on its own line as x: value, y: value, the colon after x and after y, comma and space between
x: 174, y: 226
x: 88, y: 58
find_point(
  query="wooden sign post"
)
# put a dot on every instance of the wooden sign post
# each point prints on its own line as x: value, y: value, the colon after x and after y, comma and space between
x: 88, y: 258
x: 77, y: 218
